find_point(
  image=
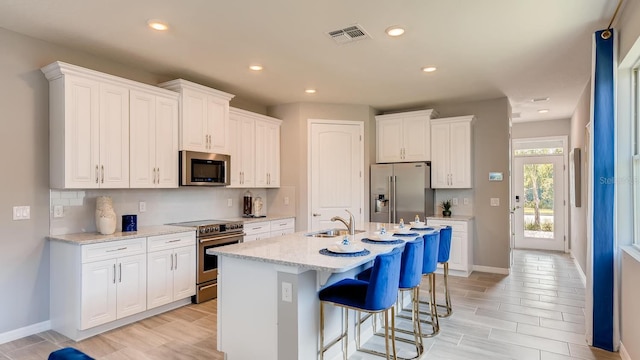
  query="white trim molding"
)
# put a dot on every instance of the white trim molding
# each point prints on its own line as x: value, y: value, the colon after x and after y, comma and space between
x: 25, y: 331
x: 624, y: 355
x: 491, y: 269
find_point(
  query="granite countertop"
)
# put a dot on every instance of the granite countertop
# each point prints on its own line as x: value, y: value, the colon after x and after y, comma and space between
x: 143, y: 231
x: 248, y: 220
x: 452, y: 217
x: 302, y: 251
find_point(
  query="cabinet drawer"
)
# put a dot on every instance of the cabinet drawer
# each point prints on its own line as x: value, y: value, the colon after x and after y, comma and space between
x: 456, y: 226
x: 257, y: 227
x: 171, y: 241
x: 283, y: 224
x: 113, y: 249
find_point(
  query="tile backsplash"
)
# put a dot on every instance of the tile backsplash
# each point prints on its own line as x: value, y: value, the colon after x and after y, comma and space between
x: 163, y: 206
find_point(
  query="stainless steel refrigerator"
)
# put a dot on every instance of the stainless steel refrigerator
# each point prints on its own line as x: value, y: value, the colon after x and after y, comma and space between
x: 400, y: 191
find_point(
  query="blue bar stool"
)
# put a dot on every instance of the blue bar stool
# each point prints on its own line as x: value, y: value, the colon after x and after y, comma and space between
x: 375, y: 296
x: 410, y: 276
x: 69, y: 353
x: 443, y: 258
x: 429, y: 266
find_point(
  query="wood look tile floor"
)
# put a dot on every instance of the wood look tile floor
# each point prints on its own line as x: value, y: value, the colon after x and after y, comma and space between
x: 536, y: 312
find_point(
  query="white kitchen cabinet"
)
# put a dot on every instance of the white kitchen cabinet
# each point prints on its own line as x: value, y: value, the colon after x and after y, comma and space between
x: 282, y: 227
x: 88, y: 128
x: 257, y: 230
x: 461, y: 255
x: 404, y: 137
x: 113, y: 284
x: 451, y: 152
x: 204, y: 117
x: 171, y: 261
x: 255, y: 153
x: 154, y: 139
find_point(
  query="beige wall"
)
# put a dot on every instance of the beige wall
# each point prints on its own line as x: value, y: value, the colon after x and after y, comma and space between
x: 578, y: 225
x: 534, y: 129
x: 491, y: 154
x: 294, y: 146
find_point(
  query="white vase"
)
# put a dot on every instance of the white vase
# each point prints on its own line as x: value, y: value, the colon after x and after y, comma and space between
x: 105, y: 215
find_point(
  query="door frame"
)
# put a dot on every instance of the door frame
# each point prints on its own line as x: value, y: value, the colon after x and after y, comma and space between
x: 565, y: 161
x: 359, y: 217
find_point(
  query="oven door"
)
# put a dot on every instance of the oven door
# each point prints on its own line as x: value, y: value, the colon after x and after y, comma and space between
x: 208, y: 264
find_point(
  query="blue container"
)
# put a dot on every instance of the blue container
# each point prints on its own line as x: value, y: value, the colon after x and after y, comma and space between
x: 129, y: 223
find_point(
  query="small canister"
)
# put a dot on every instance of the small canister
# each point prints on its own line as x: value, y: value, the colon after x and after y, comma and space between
x: 129, y: 223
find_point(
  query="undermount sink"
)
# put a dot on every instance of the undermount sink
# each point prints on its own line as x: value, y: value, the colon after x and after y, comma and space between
x: 332, y: 233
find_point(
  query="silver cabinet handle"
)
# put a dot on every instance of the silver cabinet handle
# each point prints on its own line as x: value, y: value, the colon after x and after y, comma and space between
x: 97, y: 174
x: 171, y: 262
x: 102, y: 167
x: 120, y: 277
x: 158, y: 176
x: 176, y: 255
x: 114, y: 273
x: 316, y: 214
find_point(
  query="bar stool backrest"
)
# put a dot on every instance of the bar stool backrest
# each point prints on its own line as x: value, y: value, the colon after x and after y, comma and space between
x: 445, y: 244
x: 382, y: 291
x: 430, y: 259
x: 411, y: 265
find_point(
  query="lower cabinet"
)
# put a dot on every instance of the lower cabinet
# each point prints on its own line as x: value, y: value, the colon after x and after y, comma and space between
x: 283, y: 227
x: 171, y: 265
x: 114, y: 286
x: 461, y: 256
x: 266, y: 229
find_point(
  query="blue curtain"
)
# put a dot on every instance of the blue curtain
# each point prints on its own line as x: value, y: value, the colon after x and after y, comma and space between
x: 603, y: 191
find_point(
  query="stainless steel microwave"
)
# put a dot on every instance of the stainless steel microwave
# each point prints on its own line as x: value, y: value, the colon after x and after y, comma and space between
x: 204, y: 169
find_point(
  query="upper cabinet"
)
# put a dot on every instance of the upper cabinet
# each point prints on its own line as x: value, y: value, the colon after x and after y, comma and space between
x: 403, y: 137
x: 204, y: 117
x: 88, y: 128
x: 109, y: 132
x: 154, y: 139
x: 255, y: 149
x: 451, y: 156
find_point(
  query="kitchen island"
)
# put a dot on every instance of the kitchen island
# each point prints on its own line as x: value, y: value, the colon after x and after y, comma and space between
x: 268, y: 304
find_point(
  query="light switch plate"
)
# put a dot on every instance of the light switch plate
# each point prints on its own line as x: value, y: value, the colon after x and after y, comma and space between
x: 229, y: 202
x: 142, y: 206
x: 495, y: 201
x: 465, y: 201
x: 455, y: 201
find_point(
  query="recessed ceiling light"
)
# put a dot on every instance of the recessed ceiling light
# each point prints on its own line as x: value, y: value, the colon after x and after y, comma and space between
x: 255, y: 67
x: 157, y: 25
x: 310, y: 91
x: 395, y: 31
x: 543, y: 111
x: 429, y: 69
x: 540, y: 99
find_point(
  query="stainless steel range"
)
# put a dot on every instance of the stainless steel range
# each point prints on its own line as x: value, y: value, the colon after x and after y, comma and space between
x: 210, y: 234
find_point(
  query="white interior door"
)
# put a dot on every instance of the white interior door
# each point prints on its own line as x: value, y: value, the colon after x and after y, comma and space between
x: 336, y: 181
x: 539, y: 202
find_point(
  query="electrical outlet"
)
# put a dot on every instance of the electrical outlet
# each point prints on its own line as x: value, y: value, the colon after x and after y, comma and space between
x: 142, y: 206
x: 465, y: 201
x: 286, y: 292
x: 58, y: 211
x: 286, y: 200
x: 229, y: 202
x: 455, y: 201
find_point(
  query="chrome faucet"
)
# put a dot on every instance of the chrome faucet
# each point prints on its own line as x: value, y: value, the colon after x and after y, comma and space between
x: 350, y: 226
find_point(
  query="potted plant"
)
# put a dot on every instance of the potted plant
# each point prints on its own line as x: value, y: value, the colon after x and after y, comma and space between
x: 446, y: 206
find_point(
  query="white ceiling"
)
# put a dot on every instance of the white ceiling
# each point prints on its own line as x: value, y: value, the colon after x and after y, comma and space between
x: 521, y: 49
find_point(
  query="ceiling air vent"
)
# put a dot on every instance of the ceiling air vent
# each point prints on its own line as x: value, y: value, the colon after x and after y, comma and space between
x: 348, y: 34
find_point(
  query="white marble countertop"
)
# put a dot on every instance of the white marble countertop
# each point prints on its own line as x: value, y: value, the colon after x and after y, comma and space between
x: 143, y: 231
x: 247, y: 220
x: 302, y: 251
x: 452, y: 217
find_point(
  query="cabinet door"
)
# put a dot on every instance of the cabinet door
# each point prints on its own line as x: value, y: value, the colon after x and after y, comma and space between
x: 218, y: 125
x: 160, y: 279
x: 132, y: 285
x: 416, y: 139
x: 460, y: 155
x: 440, y: 156
x: 98, y: 294
x: 235, y: 138
x: 257, y: 236
x: 143, y: 140
x: 248, y: 152
x: 81, y: 133
x: 261, y: 158
x: 166, y: 142
x: 114, y: 136
x: 389, y: 140
x: 184, y: 272
x: 194, y: 121
x: 272, y: 153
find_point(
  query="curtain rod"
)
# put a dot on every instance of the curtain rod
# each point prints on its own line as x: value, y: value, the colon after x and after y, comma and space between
x: 607, y: 33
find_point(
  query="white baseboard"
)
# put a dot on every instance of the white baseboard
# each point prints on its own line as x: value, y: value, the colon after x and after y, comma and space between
x: 25, y: 331
x: 583, y: 277
x: 624, y: 355
x: 491, y: 269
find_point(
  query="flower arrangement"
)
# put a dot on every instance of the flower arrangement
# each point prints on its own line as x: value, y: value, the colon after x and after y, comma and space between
x: 446, y: 207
